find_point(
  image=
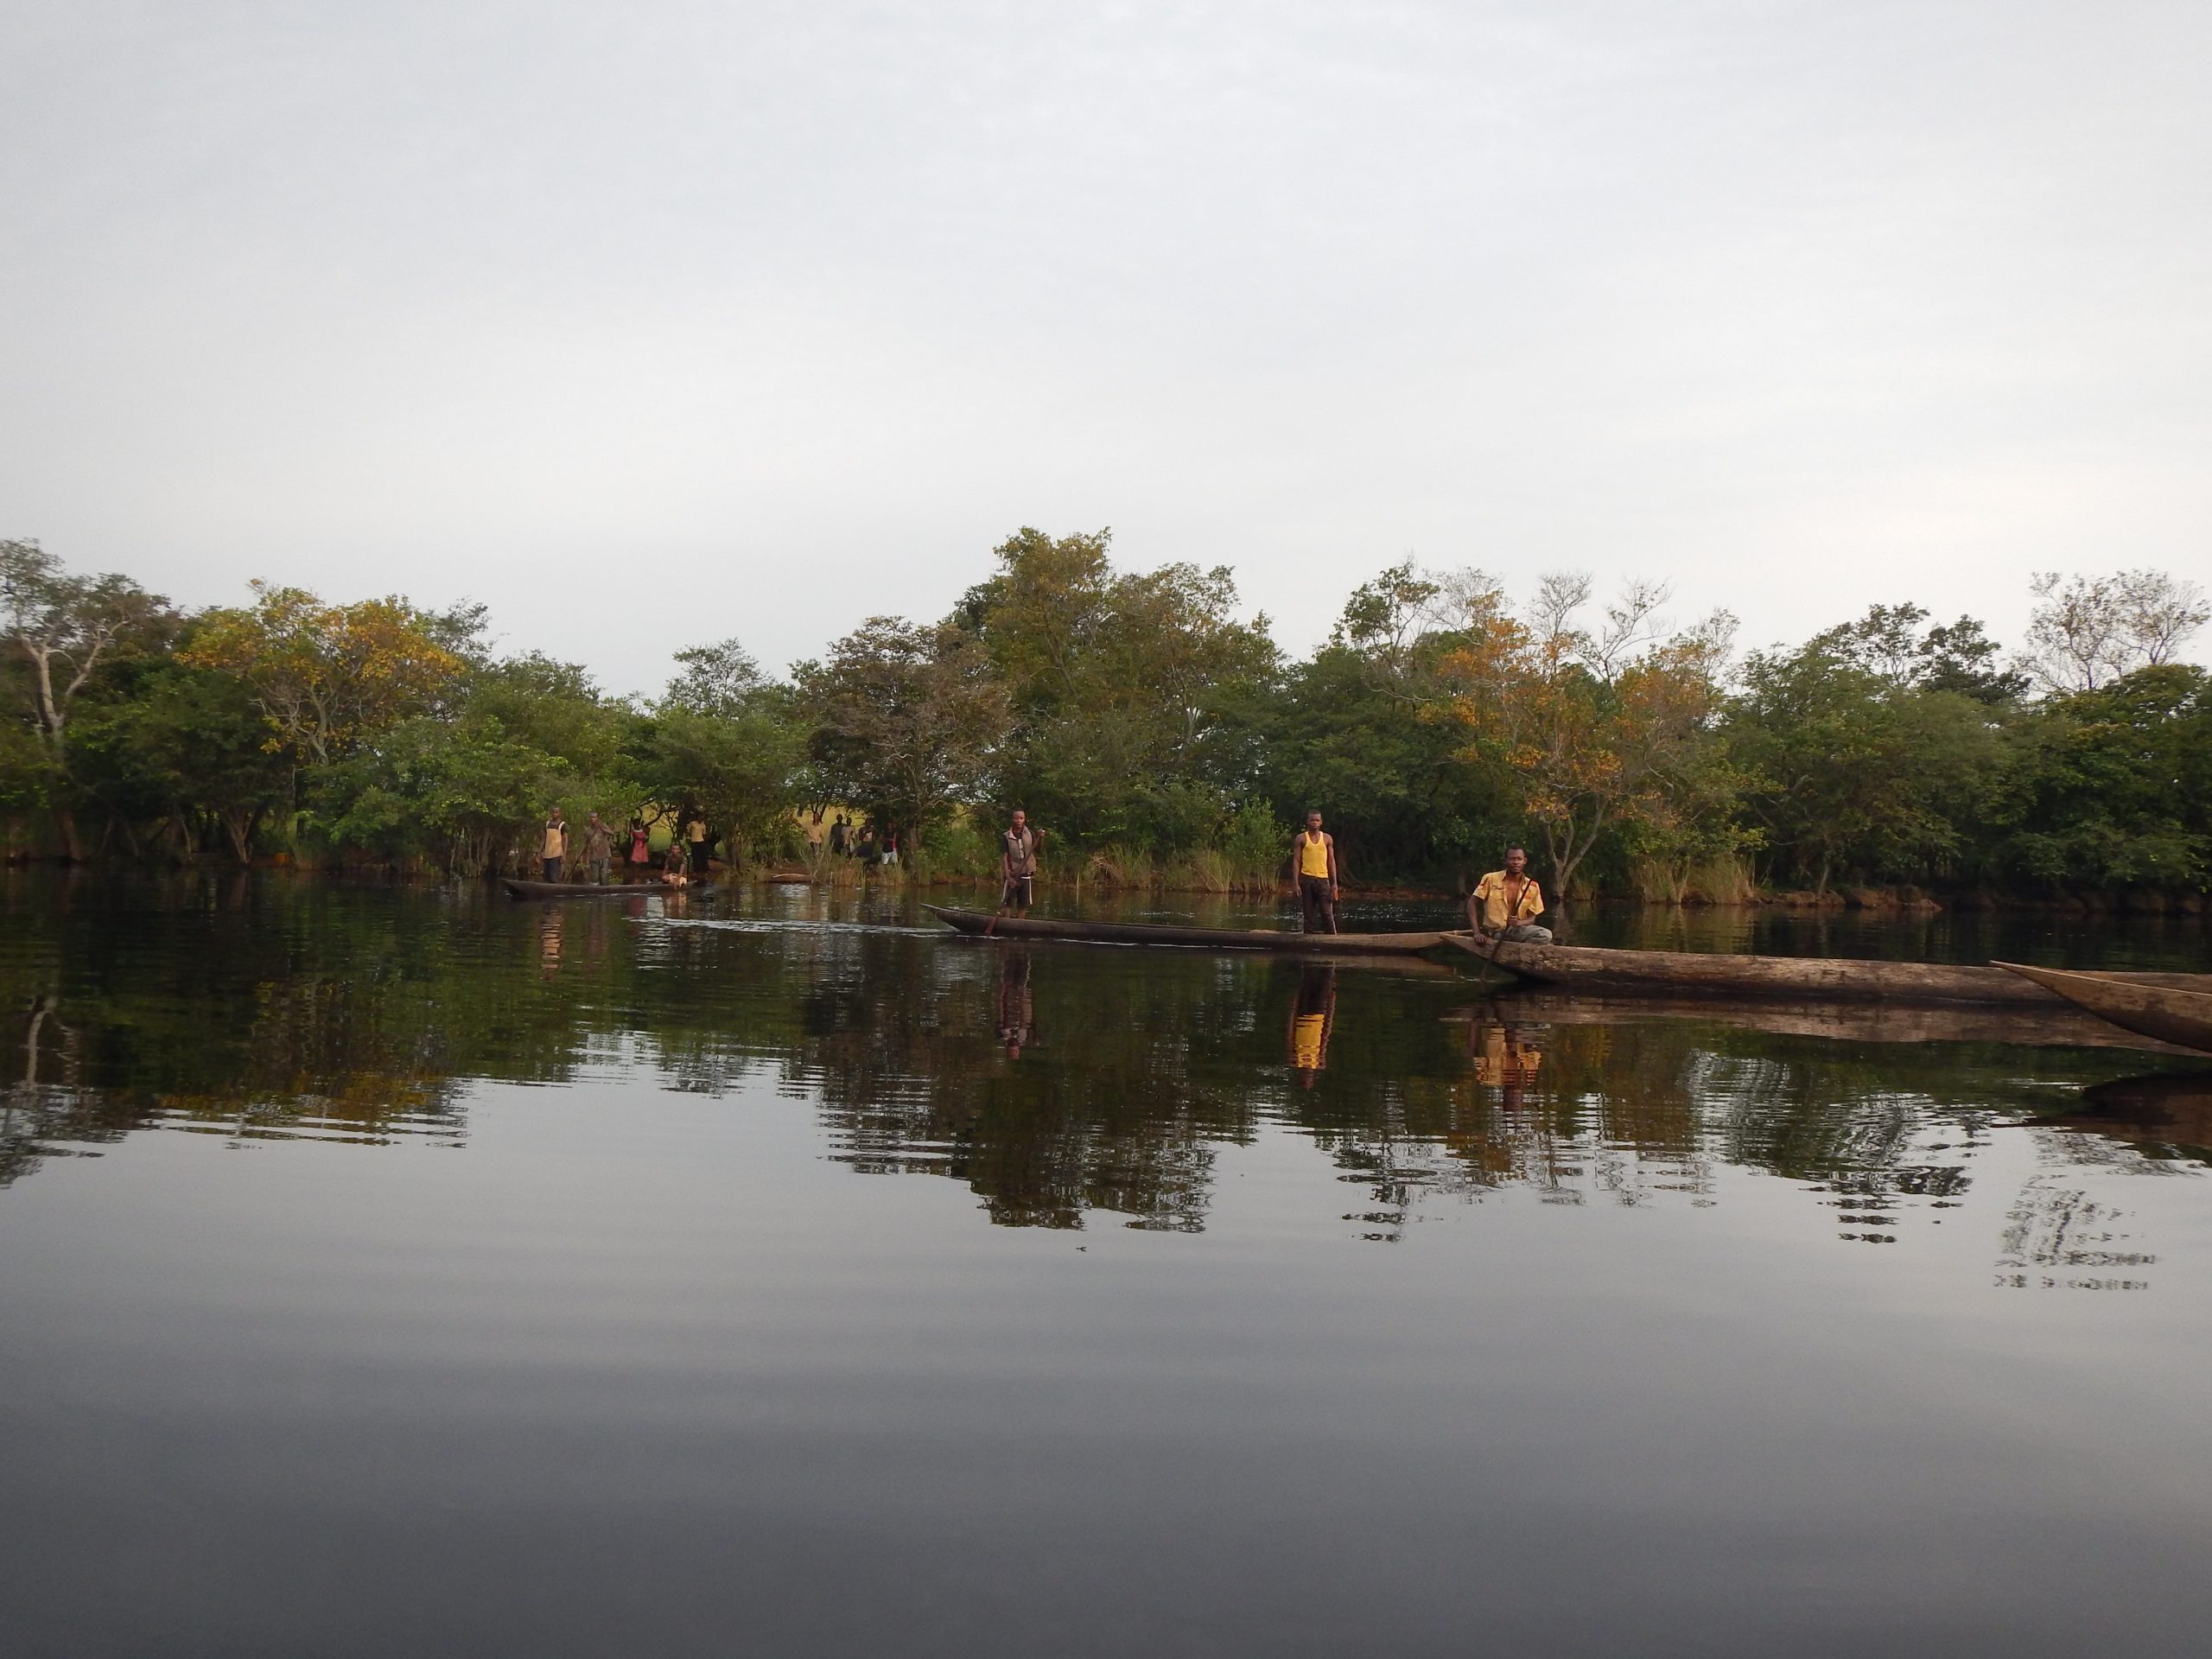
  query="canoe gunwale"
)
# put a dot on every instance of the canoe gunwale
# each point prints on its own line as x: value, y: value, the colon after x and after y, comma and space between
x: 1723, y: 975
x: 975, y: 924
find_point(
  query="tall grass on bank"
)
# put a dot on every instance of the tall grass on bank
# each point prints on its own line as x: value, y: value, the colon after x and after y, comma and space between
x: 1207, y: 870
x: 1720, y: 879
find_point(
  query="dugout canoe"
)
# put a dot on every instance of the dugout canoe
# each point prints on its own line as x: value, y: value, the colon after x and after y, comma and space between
x: 520, y: 889
x: 1696, y: 973
x: 2172, y: 1008
x: 983, y: 923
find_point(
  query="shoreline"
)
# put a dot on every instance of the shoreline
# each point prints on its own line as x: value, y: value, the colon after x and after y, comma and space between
x: 1894, y: 902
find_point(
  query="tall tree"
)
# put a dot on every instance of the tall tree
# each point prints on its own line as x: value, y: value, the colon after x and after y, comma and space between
x: 1854, y: 771
x: 1131, y: 689
x: 2109, y: 788
x: 323, y: 674
x: 1597, y: 728
x: 1351, y: 730
x: 729, y: 740
x: 907, y: 719
x: 63, y: 629
x: 2090, y: 631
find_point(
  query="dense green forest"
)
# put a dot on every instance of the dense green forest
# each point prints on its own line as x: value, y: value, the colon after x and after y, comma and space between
x: 1153, y: 733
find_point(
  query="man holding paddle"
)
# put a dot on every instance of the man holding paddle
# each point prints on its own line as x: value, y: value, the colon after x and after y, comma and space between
x: 1017, y: 865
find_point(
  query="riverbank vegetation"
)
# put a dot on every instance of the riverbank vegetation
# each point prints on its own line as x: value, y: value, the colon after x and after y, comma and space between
x: 1156, y: 736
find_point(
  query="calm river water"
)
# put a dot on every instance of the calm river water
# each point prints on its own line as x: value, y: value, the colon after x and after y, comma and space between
x: 390, y: 1272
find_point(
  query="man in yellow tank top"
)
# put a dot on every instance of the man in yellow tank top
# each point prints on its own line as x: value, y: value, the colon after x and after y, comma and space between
x: 1313, y: 854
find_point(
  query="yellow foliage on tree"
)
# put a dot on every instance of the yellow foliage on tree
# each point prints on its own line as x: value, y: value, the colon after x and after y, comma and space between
x: 1596, y: 730
x: 326, y: 675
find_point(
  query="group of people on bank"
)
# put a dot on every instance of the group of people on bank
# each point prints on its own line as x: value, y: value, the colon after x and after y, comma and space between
x: 869, y: 842
x: 590, y: 850
x: 1503, y: 906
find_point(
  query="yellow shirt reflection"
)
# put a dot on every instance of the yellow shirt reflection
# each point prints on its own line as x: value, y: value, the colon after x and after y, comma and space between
x: 1505, y: 1062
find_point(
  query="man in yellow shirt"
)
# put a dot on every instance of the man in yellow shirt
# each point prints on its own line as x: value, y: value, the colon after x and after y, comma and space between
x: 1313, y: 855
x: 553, y: 848
x: 1506, y: 903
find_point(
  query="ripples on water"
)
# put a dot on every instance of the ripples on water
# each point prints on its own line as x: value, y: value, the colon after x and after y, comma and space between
x: 1374, y: 1260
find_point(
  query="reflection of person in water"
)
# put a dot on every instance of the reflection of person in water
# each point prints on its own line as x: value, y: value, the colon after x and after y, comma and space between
x: 1312, y: 1014
x: 1505, y: 1057
x: 1017, y: 1014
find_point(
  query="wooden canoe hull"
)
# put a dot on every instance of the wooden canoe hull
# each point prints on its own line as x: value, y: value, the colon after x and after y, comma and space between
x: 983, y: 923
x: 2152, y: 1005
x: 520, y: 889
x: 1691, y: 973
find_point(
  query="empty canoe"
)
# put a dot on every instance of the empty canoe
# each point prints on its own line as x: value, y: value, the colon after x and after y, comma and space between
x: 520, y: 889
x: 2173, y: 1007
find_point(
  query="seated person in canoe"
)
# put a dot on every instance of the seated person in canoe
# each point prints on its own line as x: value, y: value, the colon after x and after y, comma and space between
x: 1506, y: 903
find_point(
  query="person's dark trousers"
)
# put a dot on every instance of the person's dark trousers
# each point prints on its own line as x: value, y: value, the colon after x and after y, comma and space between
x: 552, y: 869
x: 699, y: 850
x: 1320, y: 908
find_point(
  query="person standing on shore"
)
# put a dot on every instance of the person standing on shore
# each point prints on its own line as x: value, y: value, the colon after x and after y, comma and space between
x: 640, y: 844
x: 1313, y: 854
x: 1017, y: 865
x: 598, y: 849
x: 1506, y: 903
x: 553, y: 846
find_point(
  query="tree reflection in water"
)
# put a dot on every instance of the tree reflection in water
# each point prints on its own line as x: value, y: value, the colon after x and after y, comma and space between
x: 1062, y: 1083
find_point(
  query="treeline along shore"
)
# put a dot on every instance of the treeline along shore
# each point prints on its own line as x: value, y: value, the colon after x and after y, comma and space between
x: 1154, y: 735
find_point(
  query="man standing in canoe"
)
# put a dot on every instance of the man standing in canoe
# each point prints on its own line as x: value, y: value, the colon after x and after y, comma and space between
x: 1017, y: 865
x: 553, y: 846
x: 598, y: 849
x: 1506, y: 903
x: 1313, y: 855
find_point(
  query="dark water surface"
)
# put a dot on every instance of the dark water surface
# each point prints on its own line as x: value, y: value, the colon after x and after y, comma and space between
x: 388, y: 1272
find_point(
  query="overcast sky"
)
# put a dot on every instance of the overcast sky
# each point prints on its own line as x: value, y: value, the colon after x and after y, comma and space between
x: 652, y: 323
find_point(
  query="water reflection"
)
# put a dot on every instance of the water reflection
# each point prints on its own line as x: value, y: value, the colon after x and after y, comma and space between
x: 277, y: 1010
x: 1017, y: 1008
x: 1312, y: 1017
